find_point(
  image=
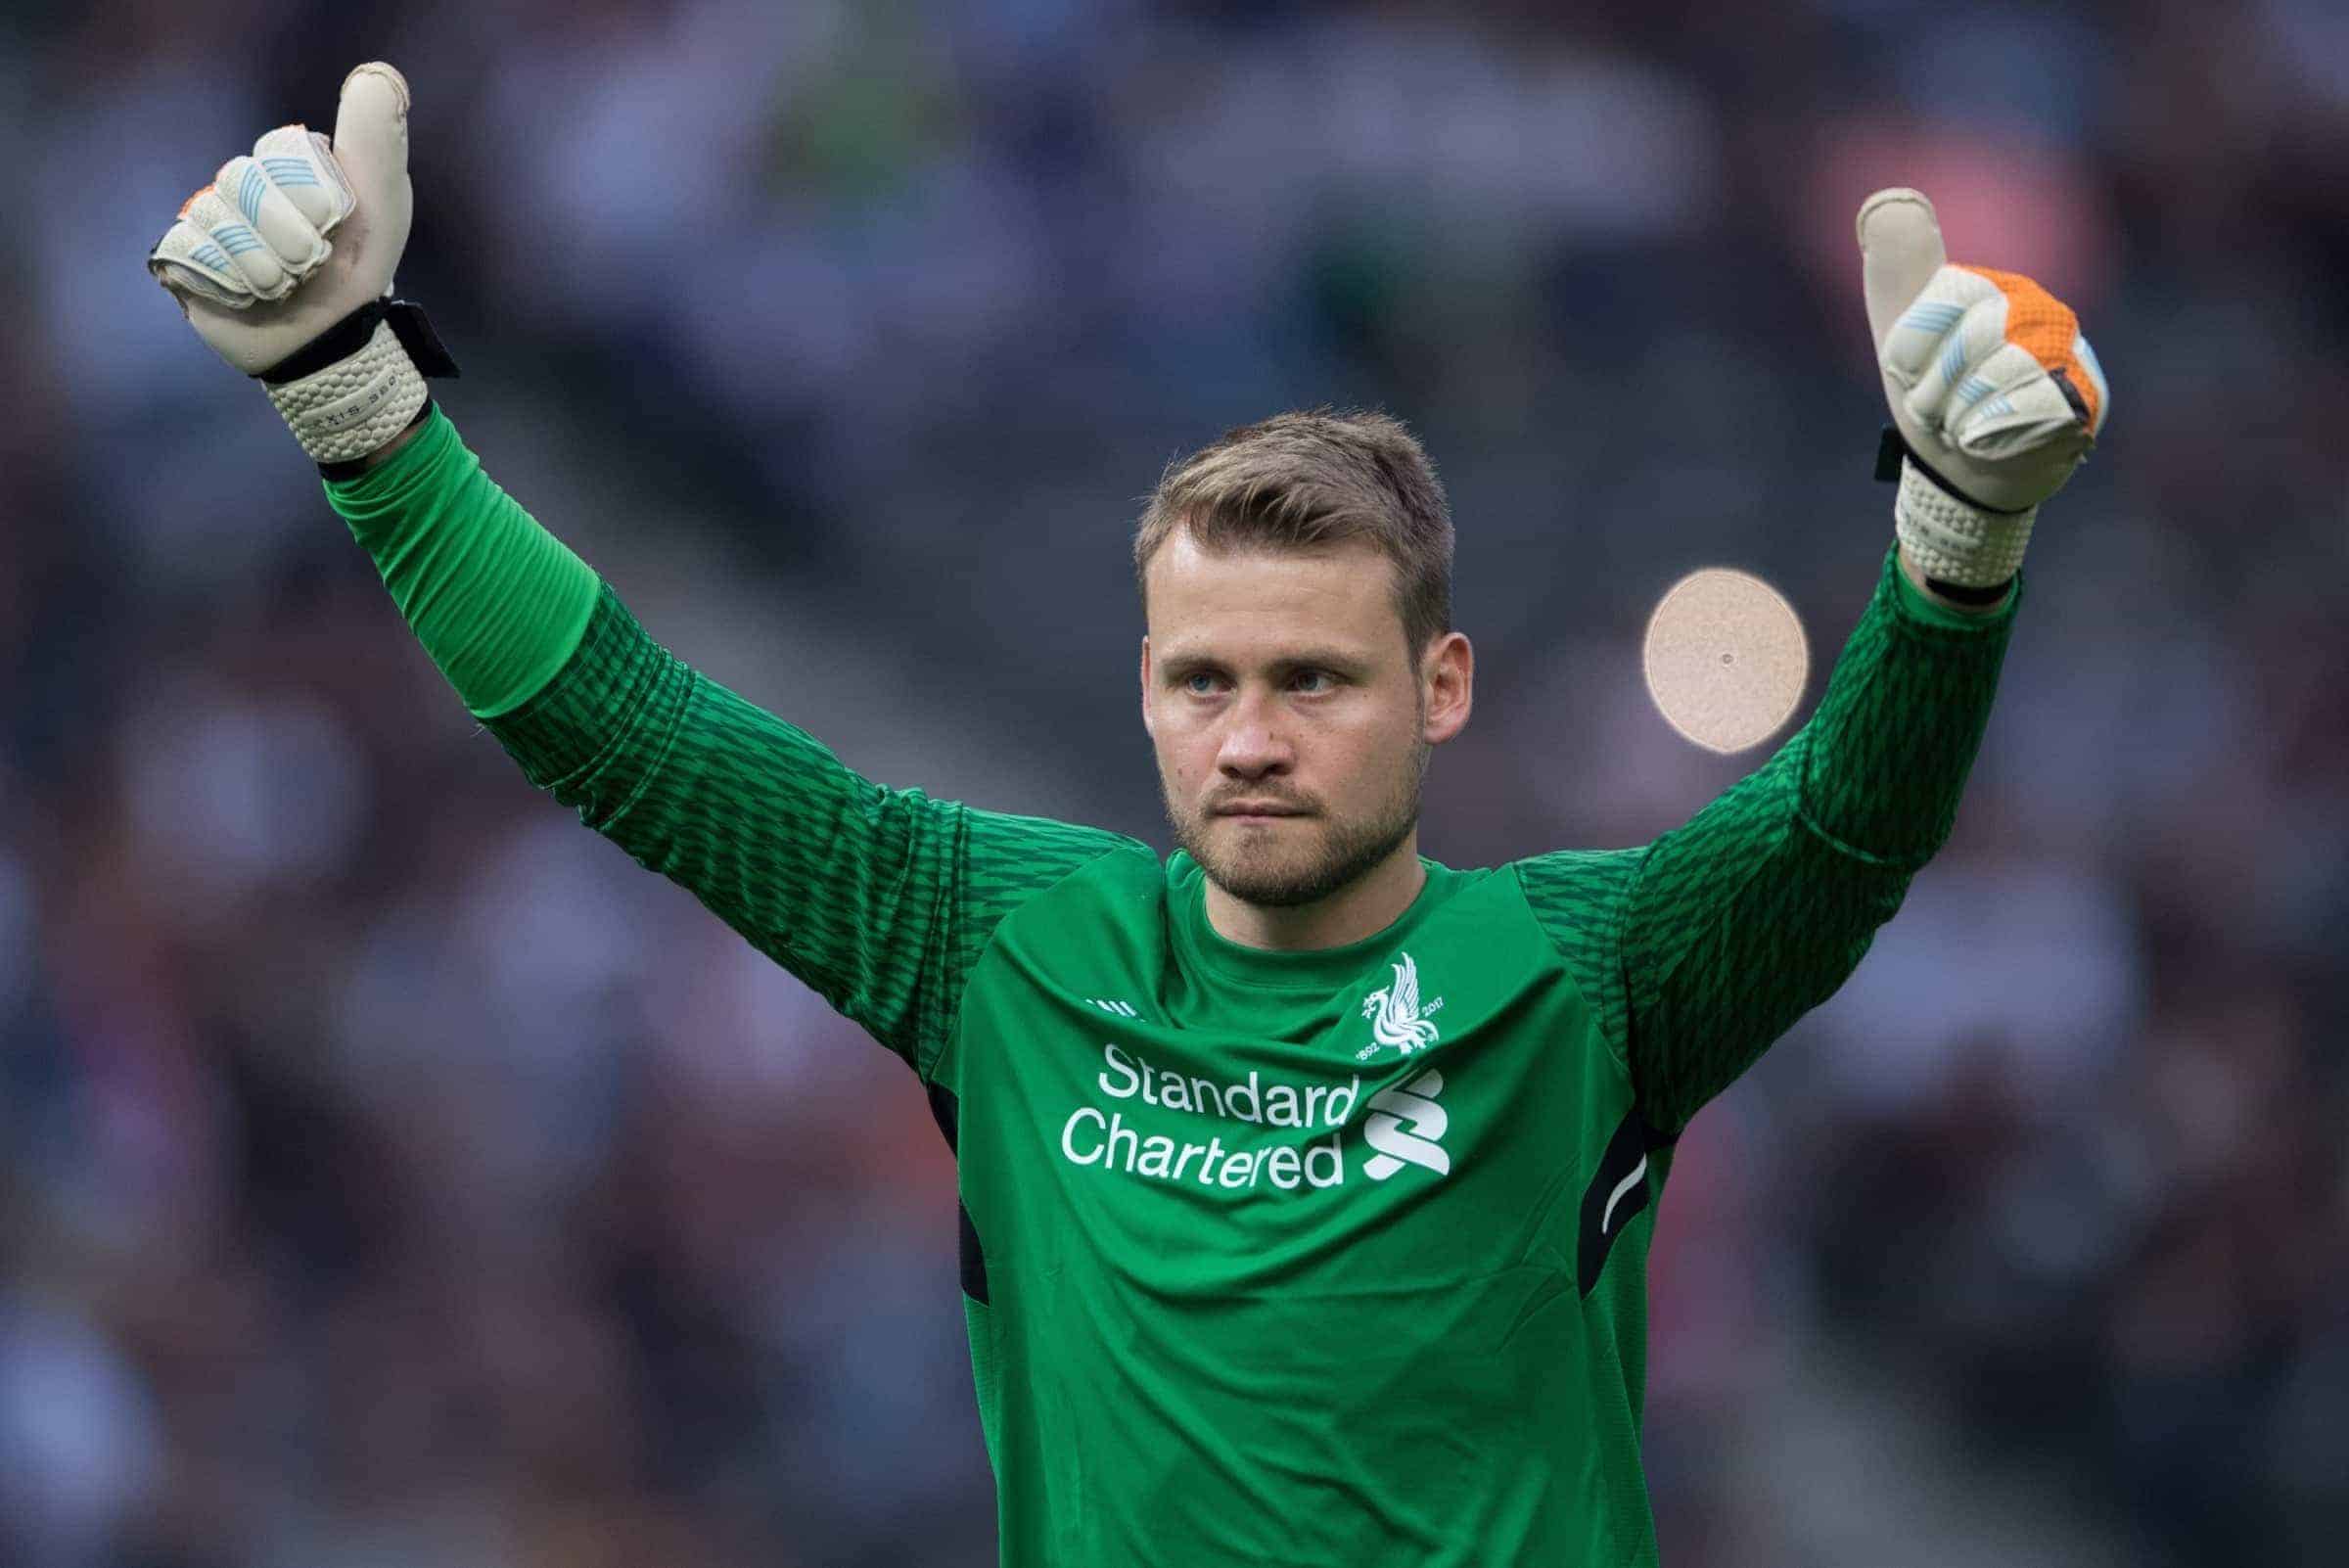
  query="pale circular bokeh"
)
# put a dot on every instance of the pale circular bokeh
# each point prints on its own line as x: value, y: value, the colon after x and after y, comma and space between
x: 1725, y: 659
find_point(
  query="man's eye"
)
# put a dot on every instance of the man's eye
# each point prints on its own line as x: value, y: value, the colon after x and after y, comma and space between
x: 1312, y: 682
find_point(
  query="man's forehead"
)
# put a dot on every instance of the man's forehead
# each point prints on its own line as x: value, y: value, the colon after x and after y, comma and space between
x: 1340, y: 592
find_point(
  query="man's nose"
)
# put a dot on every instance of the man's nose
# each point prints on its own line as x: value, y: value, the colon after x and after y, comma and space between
x: 1252, y: 746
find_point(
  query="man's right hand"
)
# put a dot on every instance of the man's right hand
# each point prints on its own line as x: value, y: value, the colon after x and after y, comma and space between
x: 252, y: 269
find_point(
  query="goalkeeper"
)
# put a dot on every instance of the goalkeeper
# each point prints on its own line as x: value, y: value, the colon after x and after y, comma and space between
x: 1306, y: 1184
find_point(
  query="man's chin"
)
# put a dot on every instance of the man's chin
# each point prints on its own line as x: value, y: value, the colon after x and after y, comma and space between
x: 1283, y: 865
x: 1271, y: 863
x: 1254, y: 826
x: 1266, y: 891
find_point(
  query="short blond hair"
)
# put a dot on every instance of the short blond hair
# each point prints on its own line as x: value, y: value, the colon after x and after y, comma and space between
x: 1309, y: 478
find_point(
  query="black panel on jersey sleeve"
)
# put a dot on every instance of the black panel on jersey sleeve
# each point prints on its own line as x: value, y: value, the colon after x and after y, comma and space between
x: 946, y: 1111
x: 1604, y: 1213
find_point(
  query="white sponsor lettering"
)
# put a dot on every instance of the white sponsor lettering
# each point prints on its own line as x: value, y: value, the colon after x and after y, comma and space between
x: 1404, y: 1124
x: 1248, y: 1099
x: 1088, y: 1137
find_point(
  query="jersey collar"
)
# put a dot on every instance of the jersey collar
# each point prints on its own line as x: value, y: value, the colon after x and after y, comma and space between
x: 1316, y: 969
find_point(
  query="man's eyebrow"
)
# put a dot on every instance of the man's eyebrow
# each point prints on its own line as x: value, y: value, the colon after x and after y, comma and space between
x: 1185, y: 660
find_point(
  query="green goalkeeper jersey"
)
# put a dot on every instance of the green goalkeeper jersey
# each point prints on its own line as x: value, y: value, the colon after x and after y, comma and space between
x: 1331, y: 1257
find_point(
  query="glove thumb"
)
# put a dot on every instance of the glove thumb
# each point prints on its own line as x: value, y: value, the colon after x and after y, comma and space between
x: 1900, y: 250
x: 371, y: 137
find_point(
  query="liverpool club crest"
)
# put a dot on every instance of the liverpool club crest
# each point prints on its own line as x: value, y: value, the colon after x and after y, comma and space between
x: 1396, y: 1016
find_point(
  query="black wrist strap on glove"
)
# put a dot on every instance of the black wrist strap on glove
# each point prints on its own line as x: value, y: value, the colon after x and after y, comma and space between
x: 1889, y: 450
x: 349, y: 335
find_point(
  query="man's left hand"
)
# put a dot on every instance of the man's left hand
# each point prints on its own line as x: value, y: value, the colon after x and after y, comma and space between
x: 1991, y: 384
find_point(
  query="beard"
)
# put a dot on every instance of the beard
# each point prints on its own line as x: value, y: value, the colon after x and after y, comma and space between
x: 1285, y: 867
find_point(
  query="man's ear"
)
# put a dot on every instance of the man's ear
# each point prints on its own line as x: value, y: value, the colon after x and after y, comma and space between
x: 1147, y: 727
x: 1450, y: 677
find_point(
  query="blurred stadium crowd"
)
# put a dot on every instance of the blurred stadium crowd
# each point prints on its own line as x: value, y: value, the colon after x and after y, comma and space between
x: 390, y: 1171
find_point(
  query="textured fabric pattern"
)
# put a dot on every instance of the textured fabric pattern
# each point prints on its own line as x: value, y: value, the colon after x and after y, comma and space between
x: 880, y: 899
x: 1731, y: 927
x: 1954, y: 543
x: 354, y: 406
x: 1579, y: 896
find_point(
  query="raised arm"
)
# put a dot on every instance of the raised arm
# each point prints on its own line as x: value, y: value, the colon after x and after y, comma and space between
x: 879, y: 899
x: 1760, y: 906
x: 1701, y: 949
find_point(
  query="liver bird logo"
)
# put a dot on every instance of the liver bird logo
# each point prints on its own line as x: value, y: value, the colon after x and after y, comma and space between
x: 1397, y: 1017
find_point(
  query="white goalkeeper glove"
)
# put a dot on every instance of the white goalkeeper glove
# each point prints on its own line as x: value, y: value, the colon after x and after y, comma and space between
x: 312, y: 319
x: 1996, y: 395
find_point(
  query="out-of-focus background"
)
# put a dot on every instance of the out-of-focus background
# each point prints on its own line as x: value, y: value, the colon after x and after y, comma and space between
x: 390, y: 1171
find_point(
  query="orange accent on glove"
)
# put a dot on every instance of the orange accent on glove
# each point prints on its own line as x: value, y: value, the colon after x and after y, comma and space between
x: 2045, y: 328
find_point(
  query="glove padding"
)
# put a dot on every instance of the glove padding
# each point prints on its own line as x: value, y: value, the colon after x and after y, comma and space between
x: 1990, y: 385
x: 248, y: 258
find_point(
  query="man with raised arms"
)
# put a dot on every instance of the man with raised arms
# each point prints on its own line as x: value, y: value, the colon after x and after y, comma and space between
x: 1306, y: 1183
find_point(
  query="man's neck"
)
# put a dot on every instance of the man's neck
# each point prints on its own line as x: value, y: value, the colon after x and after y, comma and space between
x: 1363, y: 908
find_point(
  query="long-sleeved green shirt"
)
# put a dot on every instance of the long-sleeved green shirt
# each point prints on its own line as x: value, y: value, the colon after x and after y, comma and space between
x: 1319, y: 1259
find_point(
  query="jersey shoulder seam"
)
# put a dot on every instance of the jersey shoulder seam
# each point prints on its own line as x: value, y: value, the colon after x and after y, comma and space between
x: 953, y: 1025
x: 1617, y: 1049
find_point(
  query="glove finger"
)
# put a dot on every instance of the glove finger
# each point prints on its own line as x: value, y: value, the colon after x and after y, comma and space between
x: 299, y: 164
x: 1900, y: 251
x: 1918, y: 335
x: 2034, y: 415
x: 190, y: 262
x: 371, y: 135
x: 295, y: 242
x: 1951, y: 364
x: 249, y: 258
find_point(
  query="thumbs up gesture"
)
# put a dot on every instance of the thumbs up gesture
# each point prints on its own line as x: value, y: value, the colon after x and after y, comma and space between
x: 251, y: 261
x: 1992, y: 386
